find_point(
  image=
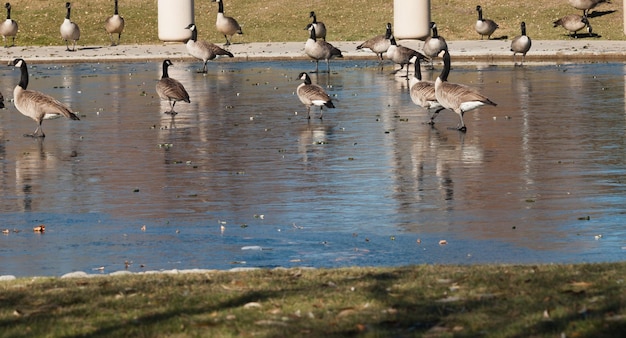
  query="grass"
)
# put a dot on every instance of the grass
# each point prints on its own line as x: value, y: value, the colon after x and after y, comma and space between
x: 284, y: 20
x: 586, y: 300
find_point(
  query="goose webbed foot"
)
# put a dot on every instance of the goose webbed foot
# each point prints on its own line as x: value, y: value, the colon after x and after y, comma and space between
x: 171, y: 112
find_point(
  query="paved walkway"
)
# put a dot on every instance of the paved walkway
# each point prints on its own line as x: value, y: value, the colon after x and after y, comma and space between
x: 477, y: 50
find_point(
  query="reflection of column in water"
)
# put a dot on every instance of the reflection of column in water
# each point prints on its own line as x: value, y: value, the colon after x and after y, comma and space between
x: 521, y: 86
x: 29, y: 170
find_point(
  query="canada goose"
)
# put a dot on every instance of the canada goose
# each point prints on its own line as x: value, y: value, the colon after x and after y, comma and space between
x: 311, y: 94
x: 434, y: 44
x: 170, y: 89
x: 114, y: 25
x: 8, y: 27
x: 402, y: 55
x: 521, y: 43
x: 225, y: 24
x: 320, y: 50
x: 378, y: 44
x: 423, y: 92
x: 484, y: 26
x: 36, y: 105
x: 203, y: 50
x: 69, y: 29
x: 457, y: 97
x: 320, y: 27
x: 573, y: 23
x: 586, y: 5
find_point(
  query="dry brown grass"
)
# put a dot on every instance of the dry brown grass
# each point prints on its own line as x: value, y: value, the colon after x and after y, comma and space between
x: 284, y: 20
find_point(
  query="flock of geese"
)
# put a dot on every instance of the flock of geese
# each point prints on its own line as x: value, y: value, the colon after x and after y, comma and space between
x: 438, y: 95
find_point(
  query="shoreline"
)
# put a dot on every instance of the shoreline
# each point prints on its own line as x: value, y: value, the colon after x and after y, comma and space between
x: 467, y: 51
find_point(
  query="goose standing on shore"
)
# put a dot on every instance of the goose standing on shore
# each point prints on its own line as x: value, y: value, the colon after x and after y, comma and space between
x: 378, y: 44
x: 320, y: 50
x: 170, y: 89
x: 114, y: 25
x: 423, y: 92
x: 573, y: 23
x: 586, y: 5
x: 311, y: 94
x: 36, y: 105
x: 484, y: 26
x: 69, y: 30
x: 203, y: 50
x: 457, y: 97
x: 434, y: 44
x: 521, y: 44
x: 402, y: 55
x: 320, y: 27
x: 8, y: 28
x: 226, y: 25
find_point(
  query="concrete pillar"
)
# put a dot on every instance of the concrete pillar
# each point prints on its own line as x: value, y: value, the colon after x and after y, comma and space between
x: 174, y: 16
x: 411, y: 19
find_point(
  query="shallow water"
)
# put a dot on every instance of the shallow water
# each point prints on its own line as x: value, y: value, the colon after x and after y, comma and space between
x: 240, y: 177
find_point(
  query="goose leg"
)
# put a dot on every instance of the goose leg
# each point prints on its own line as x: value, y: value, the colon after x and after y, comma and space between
x: 432, y: 117
x: 328, y: 66
x: 321, y: 112
x: 227, y: 41
x: 204, y: 69
x: 308, y: 112
x: 37, y: 133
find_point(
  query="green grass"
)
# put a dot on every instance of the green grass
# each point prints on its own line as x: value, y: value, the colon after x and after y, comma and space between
x: 587, y: 300
x: 284, y: 20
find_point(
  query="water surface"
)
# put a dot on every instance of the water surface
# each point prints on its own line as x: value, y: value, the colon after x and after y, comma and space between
x: 240, y: 177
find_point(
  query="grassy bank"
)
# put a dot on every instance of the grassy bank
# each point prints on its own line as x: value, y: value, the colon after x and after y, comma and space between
x: 284, y: 20
x: 587, y: 300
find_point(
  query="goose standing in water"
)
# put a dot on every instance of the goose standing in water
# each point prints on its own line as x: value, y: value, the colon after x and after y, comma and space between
x: 521, y: 44
x: 320, y: 50
x: 423, y: 92
x: 36, y: 105
x: 311, y: 94
x: 378, y: 44
x: 203, y: 50
x: 114, y: 25
x: 434, y: 44
x: 320, y: 27
x: 573, y: 23
x: 226, y: 25
x: 484, y: 26
x: 8, y: 28
x: 170, y: 89
x: 586, y: 5
x: 457, y: 97
x: 69, y: 30
x: 402, y: 55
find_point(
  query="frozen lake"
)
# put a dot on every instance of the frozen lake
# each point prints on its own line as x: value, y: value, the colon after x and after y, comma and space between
x: 240, y: 177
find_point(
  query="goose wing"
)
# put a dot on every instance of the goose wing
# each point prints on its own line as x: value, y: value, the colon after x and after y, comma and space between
x: 41, y: 105
x: 423, y: 94
x: 455, y: 95
x: 313, y: 94
x: 213, y: 48
x: 169, y: 88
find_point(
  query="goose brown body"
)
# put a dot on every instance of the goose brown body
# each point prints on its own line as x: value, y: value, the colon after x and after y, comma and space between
x: 402, y: 55
x: 114, y: 25
x: 457, y: 97
x: 521, y: 43
x: 69, y: 29
x: 171, y: 89
x: 586, y: 5
x: 378, y: 44
x: 311, y: 94
x: 36, y: 105
x: 434, y: 44
x: 484, y: 26
x: 226, y: 25
x: 320, y: 50
x: 573, y: 23
x: 8, y: 28
x: 203, y: 50
x: 320, y: 27
x: 423, y: 92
